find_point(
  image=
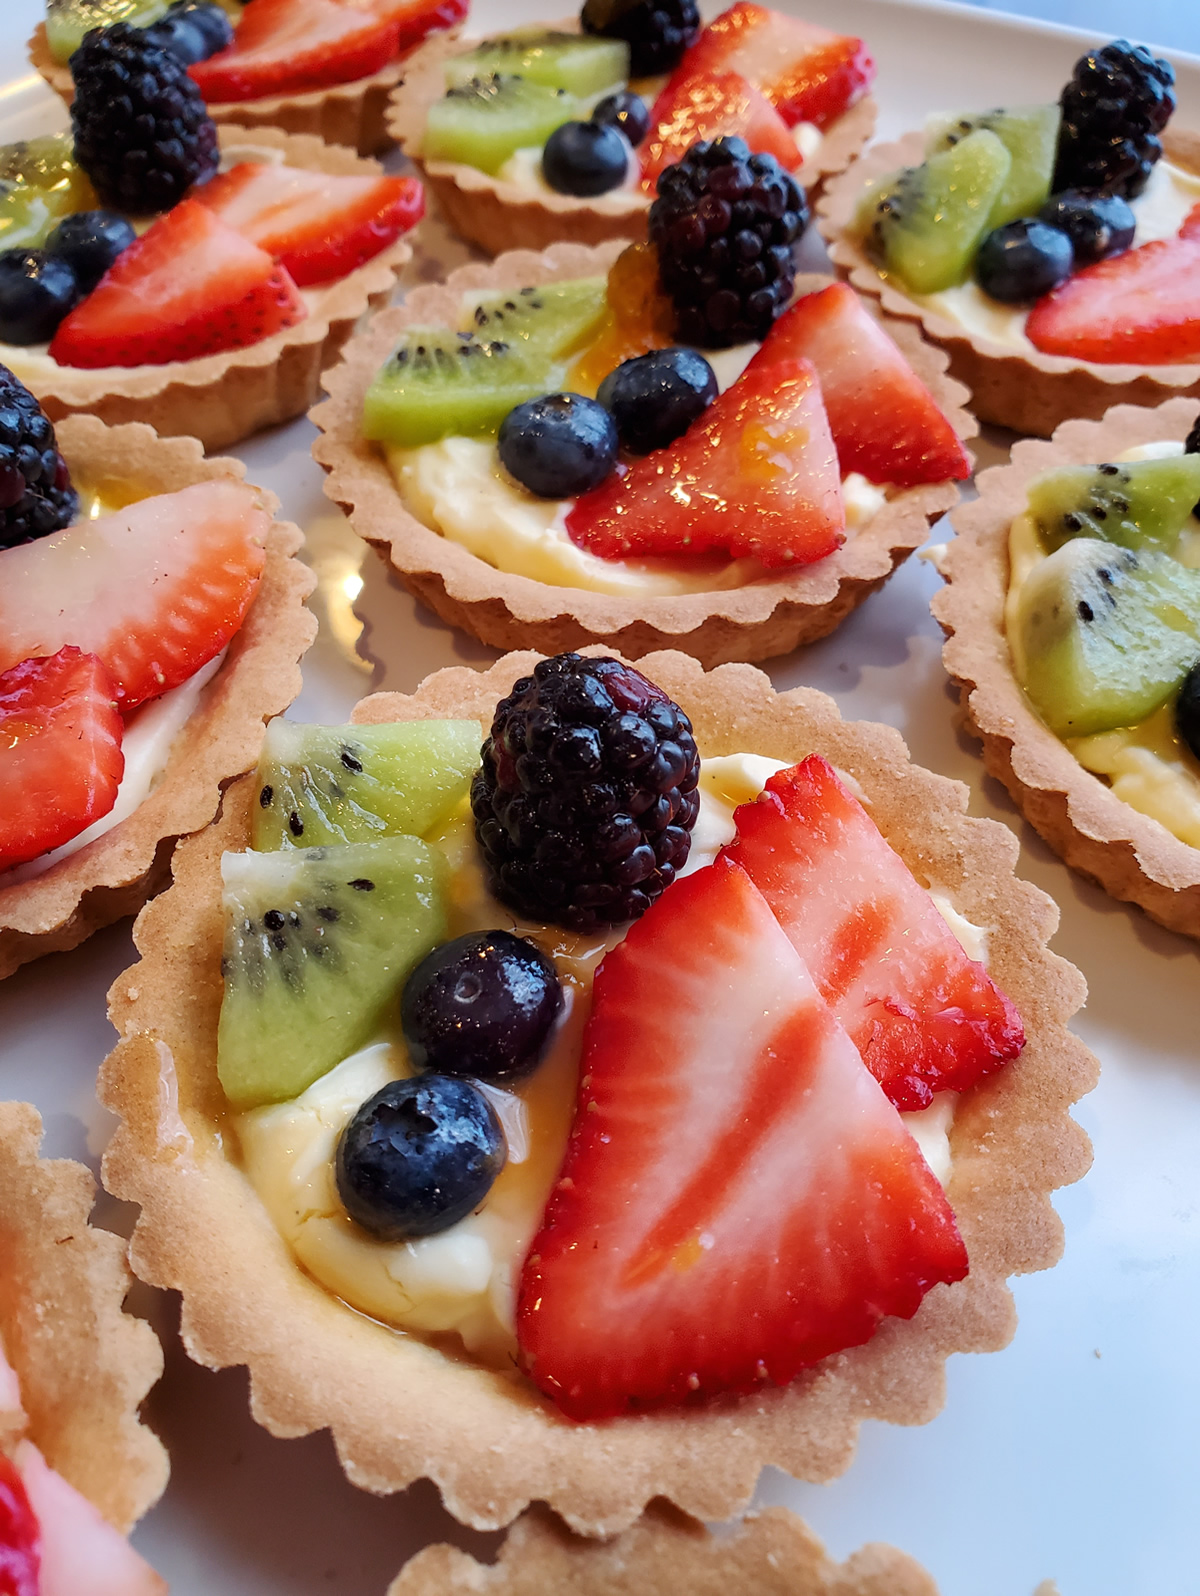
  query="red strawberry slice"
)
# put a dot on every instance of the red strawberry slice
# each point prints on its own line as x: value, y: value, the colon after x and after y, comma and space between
x: 289, y: 46
x: 316, y: 225
x: 704, y: 106
x: 189, y: 287
x: 885, y: 422
x: 924, y: 1016
x: 756, y: 475
x: 739, y: 1199
x: 156, y: 590
x: 20, y: 1538
x: 60, y: 758
x: 808, y: 73
x: 415, y: 18
x: 81, y: 1552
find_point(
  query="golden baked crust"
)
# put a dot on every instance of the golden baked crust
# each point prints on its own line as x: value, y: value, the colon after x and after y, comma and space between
x: 114, y: 875
x: 1130, y: 855
x: 500, y: 216
x: 756, y: 621
x: 398, y: 1407
x: 84, y: 1364
x: 1027, y: 391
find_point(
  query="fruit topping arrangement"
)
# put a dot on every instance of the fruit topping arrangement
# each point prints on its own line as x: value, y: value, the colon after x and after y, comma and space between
x: 191, y: 29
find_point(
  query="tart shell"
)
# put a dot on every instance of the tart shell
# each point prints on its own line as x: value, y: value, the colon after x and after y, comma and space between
x: 500, y: 216
x: 1024, y: 390
x: 764, y: 618
x: 400, y: 1408
x: 113, y: 876
x: 1129, y: 854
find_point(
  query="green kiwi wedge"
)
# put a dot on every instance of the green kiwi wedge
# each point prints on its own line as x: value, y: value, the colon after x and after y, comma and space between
x: 1030, y: 135
x: 577, y: 62
x: 482, y: 122
x: 39, y: 185
x: 68, y: 20
x: 551, y: 321
x: 1139, y: 504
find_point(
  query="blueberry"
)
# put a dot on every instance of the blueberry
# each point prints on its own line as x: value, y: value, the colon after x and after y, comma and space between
x: 627, y: 112
x: 1098, y: 225
x: 89, y: 241
x: 1187, y: 710
x: 482, y: 1005
x: 419, y: 1156
x: 36, y: 292
x: 1023, y: 260
x: 655, y: 398
x: 212, y: 20
x: 585, y: 158
x: 559, y: 446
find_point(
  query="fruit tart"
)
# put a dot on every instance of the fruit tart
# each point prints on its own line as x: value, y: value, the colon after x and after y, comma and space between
x: 462, y: 1099
x: 1073, y: 619
x: 1051, y: 250
x: 151, y: 617
x: 557, y: 133
x: 324, y: 67
x: 77, y: 1466
x: 157, y: 270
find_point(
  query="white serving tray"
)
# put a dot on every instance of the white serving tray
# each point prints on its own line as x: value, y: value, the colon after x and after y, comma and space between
x: 1070, y: 1456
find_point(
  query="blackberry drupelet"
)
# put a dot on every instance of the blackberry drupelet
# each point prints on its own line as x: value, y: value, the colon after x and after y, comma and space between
x: 142, y: 133
x: 585, y: 802
x: 36, y: 496
x: 1118, y: 101
x: 724, y: 225
x: 656, y: 31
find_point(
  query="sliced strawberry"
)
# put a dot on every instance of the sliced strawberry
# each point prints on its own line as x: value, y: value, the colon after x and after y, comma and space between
x: 924, y: 1016
x: 82, y: 1554
x: 885, y: 422
x: 156, y: 590
x: 703, y: 106
x: 739, y: 1199
x: 289, y: 46
x: 756, y: 475
x: 414, y: 18
x: 316, y: 225
x: 190, y: 286
x: 20, y: 1540
x: 808, y: 73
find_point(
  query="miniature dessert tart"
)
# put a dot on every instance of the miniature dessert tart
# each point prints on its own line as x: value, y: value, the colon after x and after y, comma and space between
x: 1051, y: 254
x: 551, y: 569
x: 539, y: 135
x: 77, y: 1466
x: 321, y: 67
x: 1072, y: 613
x: 510, y: 1363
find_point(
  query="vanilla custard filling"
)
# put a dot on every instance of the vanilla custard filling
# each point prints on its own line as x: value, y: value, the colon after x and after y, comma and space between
x: 464, y: 1281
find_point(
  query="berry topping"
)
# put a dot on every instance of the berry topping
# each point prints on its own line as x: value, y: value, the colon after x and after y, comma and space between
x: 89, y: 242
x: 1118, y: 101
x: 36, y: 496
x: 482, y: 1005
x: 289, y: 46
x: 20, y: 1535
x: 141, y: 131
x: 627, y: 112
x: 657, y: 31
x: 36, y: 292
x: 192, y: 32
x: 1187, y: 711
x: 1098, y: 225
x: 1022, y: 261
x: 585, y: 158
x: 419, y: 1156
x: 559, y: 446
x: 724, y: 224
x: 701, y: 106
x: 587, y: 797
x: 655, y: 398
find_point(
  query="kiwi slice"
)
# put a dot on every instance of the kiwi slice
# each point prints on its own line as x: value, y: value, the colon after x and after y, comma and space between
x: 329, y: 784
x: 1105, y: 635
x: 581, y: 64
x: 1140, y: 504
x: 68, y: 20
x: 552, y: 321
x: 925, y: 223
x: 481, y: 122
x: 1030, y: 135
x: 39, y: 185
x: 318, y: 942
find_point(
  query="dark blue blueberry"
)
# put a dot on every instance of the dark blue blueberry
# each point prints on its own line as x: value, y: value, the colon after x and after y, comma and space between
x: 419, y: 1156
x: 484, y: 1004
x: 212, y: 20
x: 1022, y: 261
x: 1187, y: 710
x: 192, y: 32
x: 559, y: 446
x: 89, y: 241
x: 36, y: 292
x: 655, y: 398
x: 585, y: 158
x: 627, y: 112
x: 1098, y: 225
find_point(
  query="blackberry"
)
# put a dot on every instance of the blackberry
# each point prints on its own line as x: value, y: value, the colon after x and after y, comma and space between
x: 724, y: 224
x: 586, y: 799
x: 656, y: 31
x: 1118, y: 101
x: 142, y: 133
x: 36, y: 496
